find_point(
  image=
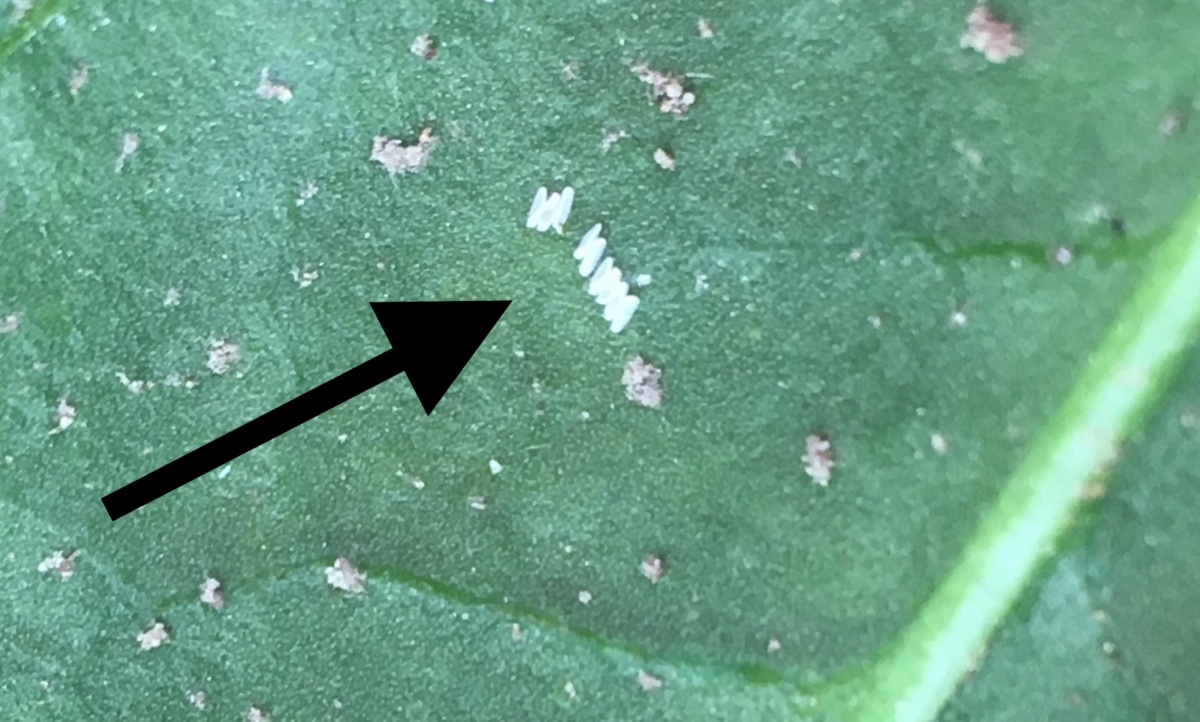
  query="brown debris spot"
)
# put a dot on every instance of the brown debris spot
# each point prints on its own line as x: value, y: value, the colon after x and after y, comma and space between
x: 10, y: 323
x: 424, y: 46
x: 79, y: 78
x: 64, y: 416
x: 129, y: 146
x: 648, y: 682
x: 56, y: 562
x: 996, y: 40
x: 345, y: 576
x: 653, y: 568
x: 153, y: 637
x: 270, y: 90
x: 396, y: 157
x: 642, y: 385
x: 664, y: 159
x: 818, y: 459
x: 668, y: 90
x: 211, y: 594
x: 222, y: 355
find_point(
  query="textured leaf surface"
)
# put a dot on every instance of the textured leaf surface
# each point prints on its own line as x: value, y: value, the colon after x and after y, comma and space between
x: 784, y: 300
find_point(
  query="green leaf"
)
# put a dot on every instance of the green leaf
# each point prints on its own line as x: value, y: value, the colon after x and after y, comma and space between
x: 895, y: 286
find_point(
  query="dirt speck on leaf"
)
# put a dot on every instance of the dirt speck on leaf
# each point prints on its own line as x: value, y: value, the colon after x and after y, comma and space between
x: 153, y: 637
x: 396, y: 157
x: 668, y: 90
x: 985, y: 33
x: 642, y: 383
x: 424, y: 46
x: 64, y: 416
x: 818, y: 459
x: 648, y: 682
x: 129, y: 146
x: 653, y: 568
x: 345, y: 576
x: 10, y: 323
x: 79, y: 78
x: 56, y: 562
x: 222, y: 355
x: 664, y: 159
x: 211, y: 594
x: 270, y: 90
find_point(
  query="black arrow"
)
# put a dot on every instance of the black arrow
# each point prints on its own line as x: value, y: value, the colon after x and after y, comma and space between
x: 431, y: 344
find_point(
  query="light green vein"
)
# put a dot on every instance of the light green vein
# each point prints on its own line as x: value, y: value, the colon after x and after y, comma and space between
x: 917, y: 673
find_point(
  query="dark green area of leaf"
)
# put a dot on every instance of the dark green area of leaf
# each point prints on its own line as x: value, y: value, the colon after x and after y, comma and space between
x: 757, y: 315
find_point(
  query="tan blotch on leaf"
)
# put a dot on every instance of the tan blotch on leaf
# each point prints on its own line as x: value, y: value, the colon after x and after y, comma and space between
x: 211, y: 594
x: 56, y: 562
x: 648, y: 682
x: 345, y: 576
x: 222, y: 355
x: 64, y: 416
x: 818, y: 459
x: 270, y: 90
x: 153, y: 637
x: 668, y: 90
x: 424, y: 47
x: 396, y: 157
x: 653, y: 568
x: 996, y: 40
x: 642, y: 383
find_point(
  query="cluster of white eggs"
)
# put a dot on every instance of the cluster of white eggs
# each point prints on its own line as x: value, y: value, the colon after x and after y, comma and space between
x: 551, y: 210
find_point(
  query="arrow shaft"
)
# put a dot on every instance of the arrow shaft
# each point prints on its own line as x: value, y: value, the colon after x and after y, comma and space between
x: 275, y: 422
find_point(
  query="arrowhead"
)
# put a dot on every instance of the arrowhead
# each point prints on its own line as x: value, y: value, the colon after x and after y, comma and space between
x: 436, y: 339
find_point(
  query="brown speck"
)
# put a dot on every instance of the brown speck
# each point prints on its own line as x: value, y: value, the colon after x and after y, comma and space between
x: 153, y: 637
x: 10, y: 323
x: 211, y: 594
x: 704, y: 29
x: 345, y: 576
x: 254, y: 714
x: 64, y: 416
x: 585, y: 597
x: 56, y: 562
x: 1172, y: 123
x: 668, y: 90
x: 134, y: 386
x: 642, y: 383
x: 773, y: 645
x: 664, y: 159
x: 818, y: 459
x: 222, y: 355
x: 306, y: 277
x: 610, y: 139
x: 424, y: 46
x: 653, y: 568
x: 940, y: 445
x: 396, y: 157
x: 985, y: 33
x: 307, y: 194
x: 129, y: 146
x: 198, y: 699
x: 270, y: 90
x: 648, y: 682
x: 171, y: 298
x: 79, y: 78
